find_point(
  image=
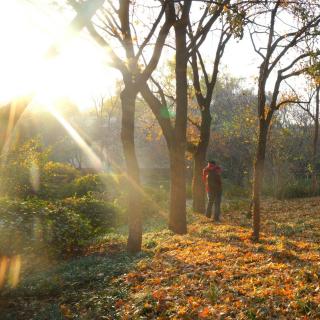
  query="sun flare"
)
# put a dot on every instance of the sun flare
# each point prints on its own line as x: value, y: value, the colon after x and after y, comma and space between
x: 78, y: 72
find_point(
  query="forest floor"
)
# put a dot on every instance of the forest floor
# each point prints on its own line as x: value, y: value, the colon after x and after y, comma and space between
x: 213, y: 272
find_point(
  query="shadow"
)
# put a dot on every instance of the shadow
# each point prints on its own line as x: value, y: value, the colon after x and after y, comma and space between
x: 71, y: 287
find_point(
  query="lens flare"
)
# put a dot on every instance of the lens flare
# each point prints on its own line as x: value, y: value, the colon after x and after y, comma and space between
x: 14, y: 271
x: 35, y: 176
x: 3, y: 269
x: 92, y: 157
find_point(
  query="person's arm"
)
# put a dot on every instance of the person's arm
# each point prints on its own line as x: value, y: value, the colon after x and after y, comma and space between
x: 204, y: 174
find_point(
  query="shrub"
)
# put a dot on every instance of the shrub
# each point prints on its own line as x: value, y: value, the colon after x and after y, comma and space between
x: 114, y: 183
x: 100, y: 214
x: 295, y: 189
x: 88, y: 183
x: 57, y: 180
x: 15, y: 181
x: 16, y: 226
x: 66, y: 231
x: 20, y: 172
x: 154, y: 200
x: 231, y: 190
x: 39, y: 226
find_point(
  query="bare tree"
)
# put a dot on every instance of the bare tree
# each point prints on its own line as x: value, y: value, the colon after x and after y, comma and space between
x: 280, y: 46
x: 232, y: 17
x: 175, y: 131
x: 114, y: 29
x: 313, y: 113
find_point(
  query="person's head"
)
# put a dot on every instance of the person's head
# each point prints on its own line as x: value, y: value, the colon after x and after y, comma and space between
x: 212, y: 162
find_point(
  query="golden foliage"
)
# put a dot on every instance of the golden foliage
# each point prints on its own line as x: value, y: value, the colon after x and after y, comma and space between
x: 217, y: 272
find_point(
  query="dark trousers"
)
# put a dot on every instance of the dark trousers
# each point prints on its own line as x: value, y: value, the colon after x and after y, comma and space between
x: 214, y: 197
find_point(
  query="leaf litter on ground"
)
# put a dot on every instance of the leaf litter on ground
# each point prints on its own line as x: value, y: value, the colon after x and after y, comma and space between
x: 213, y: 272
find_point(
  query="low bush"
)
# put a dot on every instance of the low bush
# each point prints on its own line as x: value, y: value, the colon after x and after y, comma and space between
x: 88, y: 183
x: 295, y: 189
x: 17, y: 221
x: 101, y: 215
x: 155, y: 200
x: 65, y: 232
x: 20, y: 169
x: 39, y: 226
x: 57, y: 180
x: 231, y: 190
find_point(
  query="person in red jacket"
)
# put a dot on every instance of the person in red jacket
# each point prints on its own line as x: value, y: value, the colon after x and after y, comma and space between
x: 211, y: 177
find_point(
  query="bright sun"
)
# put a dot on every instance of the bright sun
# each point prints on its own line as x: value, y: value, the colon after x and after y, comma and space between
x: 78, y: 73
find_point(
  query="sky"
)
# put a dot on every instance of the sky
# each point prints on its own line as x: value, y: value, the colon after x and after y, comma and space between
x: 80, y: 73
x: 27, y: 30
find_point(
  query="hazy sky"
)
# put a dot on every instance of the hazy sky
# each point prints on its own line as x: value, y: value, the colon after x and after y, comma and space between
x: 28, y: 28
x: 26, y: 33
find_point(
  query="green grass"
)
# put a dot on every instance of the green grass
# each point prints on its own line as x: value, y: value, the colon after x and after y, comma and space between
x: 214, y: 268
x: 84, y: 284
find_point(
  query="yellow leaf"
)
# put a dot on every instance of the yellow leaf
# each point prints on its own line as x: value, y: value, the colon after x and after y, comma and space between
x: 182, y: 311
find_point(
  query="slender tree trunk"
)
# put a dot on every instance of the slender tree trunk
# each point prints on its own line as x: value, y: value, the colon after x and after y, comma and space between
x: 177, y: 215
x: 258, y: 177
x: 315, y: 145
x: 128, y: 98
x: 198, y: 188
x: 199, y: 162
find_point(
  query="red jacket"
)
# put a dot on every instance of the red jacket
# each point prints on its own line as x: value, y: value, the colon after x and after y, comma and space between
x: 205, y: 173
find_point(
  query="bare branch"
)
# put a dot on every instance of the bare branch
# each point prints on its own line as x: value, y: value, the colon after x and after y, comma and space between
x: 154, y: 27
x: 116, y: 61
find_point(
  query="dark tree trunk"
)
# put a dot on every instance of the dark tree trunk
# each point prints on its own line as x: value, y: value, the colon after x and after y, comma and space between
x: 198, y: 187
x: 128, y: 98
x: 177, y: 215
x: 315, y: 144
x: 258, y: 177
x: 199, y: 162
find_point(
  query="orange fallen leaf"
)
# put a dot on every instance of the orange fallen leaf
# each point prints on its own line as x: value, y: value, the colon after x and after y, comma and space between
x: 204, y: 313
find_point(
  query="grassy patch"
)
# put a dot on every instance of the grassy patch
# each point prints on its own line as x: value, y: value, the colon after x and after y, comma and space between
x: 86, y: 286
x: 215, y: 271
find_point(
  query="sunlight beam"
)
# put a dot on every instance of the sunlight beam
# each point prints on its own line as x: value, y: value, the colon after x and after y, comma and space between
x: 92, y: 157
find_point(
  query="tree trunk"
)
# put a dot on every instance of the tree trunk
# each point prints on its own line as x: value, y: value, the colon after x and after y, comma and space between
x: 315, y: 144
x: 199, y: 162
x: 128, y: 98
x: 258, y: 177
x: 198, y: 188
x: 177, y: 215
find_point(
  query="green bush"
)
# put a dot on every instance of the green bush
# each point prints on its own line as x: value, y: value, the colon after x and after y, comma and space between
x: 39, y: 226
x: 21, y: 168
x: 114, y: 183
x: 88, y: 183
x: 231, y: 190
x: 16, y: 226
x: 66, y: 231
x: 15, y: 181
x: 101, y: 214
x: 57, y: 180
x: 154, y: 200
x: 295, y: 189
